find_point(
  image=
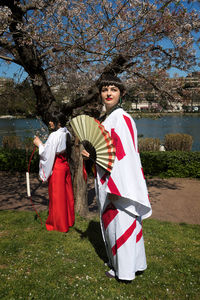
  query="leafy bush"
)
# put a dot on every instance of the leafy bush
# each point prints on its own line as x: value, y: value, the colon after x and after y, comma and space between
x: 162, y: 164
x: 171, y: 164
x: 148, y: 144
x: 17, y: 160
x: 178, y: 141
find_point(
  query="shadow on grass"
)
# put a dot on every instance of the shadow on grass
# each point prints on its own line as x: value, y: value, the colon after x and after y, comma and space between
x: 93, y: 233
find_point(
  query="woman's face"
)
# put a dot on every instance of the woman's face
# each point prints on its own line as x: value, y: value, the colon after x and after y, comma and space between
x: 51, y: 125
x: 110, y: 96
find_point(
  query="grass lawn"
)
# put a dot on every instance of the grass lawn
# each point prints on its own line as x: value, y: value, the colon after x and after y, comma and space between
x: 37, y: 264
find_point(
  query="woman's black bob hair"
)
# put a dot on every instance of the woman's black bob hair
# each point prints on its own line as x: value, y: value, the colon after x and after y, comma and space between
x: 109, y: 79
x: 57, y: 117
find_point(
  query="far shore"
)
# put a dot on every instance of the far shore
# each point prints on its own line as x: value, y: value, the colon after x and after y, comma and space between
x: 7, y: 117
x: 137, y: 114
x: 12, y: 117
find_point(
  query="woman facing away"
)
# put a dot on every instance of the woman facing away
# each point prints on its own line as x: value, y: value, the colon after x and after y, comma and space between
x: 122, y: 195
x: 54, y: 167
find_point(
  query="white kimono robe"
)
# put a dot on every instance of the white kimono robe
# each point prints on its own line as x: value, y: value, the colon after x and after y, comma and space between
x: 121, y: 219
x: 55, y: 144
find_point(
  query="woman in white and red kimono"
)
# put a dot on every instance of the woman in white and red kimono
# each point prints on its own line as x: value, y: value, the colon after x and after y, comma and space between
x: 54, y: 167
x: 122, y: 195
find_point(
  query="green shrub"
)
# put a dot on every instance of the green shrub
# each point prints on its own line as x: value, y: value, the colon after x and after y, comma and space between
x: 178, y: 142
x: 17, y: 160
x: 161, y: 164
x: 148, y: 144
x: 171, y: 164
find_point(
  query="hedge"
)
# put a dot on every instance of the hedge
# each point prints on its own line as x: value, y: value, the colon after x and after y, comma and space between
x: 160, y: 164
x: 171, y: 164
x: 17, y: 160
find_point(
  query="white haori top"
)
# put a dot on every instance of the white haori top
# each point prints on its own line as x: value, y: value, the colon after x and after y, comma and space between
x: 126, y: 179
x: 55, y: 144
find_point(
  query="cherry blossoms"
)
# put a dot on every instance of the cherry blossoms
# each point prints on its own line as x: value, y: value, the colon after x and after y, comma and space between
x: 74, y: 42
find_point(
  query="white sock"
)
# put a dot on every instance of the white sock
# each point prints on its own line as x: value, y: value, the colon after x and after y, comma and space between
x: 111, y: 272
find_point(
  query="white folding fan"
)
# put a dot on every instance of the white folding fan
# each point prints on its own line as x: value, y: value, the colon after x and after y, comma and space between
x: 95, y: 139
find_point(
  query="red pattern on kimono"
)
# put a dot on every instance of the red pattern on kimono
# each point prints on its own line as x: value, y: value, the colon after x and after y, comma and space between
x: 118, y: 145
x: 121, y: 218
x: 130, y: 127
x: 109, y: 214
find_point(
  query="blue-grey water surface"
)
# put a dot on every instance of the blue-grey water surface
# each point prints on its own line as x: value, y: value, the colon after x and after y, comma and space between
x: 22, y: 128
x: 146, y: 126
x: 171, y: 124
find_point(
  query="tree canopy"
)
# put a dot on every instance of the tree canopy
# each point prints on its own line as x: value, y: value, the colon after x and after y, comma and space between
x: 74, y: 42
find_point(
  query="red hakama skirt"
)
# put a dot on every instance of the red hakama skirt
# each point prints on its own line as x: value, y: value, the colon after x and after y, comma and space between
x: 61, y: 198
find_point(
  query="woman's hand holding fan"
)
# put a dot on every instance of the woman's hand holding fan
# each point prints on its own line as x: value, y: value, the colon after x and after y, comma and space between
x: 95, y: 139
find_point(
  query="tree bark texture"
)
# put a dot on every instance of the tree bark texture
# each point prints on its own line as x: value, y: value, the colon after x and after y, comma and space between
x: 79, y: 184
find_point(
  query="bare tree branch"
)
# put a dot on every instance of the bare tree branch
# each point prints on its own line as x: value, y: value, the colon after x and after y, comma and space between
x: 115, y: 67
x: 155, y: 86
x: 9, y: 59
x: 33, y: 6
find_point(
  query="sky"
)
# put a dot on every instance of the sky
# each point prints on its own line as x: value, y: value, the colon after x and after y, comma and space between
x: 9, y: 71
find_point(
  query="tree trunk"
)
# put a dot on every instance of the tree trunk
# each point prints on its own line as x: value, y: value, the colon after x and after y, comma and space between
x: 27, y: 56
x: 79, y: 184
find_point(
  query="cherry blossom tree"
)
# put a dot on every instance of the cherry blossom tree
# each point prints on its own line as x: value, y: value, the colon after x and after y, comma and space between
x: 75, y: 42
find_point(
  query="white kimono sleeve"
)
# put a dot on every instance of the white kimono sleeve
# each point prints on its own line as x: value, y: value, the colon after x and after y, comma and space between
x: 47, y: 154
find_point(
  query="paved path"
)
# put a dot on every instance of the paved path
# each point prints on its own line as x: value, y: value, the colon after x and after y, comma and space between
x: 175, y: 200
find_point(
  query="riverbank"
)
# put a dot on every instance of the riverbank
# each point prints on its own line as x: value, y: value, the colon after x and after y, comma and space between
x: 8, y: 117
x: 174, y: 199
x: 140, y: 115
x: 137, y: 114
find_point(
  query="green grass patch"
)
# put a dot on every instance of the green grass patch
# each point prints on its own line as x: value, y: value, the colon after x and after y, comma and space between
x: 37, y: 264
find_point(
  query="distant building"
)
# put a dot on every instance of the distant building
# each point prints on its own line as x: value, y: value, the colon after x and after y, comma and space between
x: 148, y: 100
x: 192, y: 85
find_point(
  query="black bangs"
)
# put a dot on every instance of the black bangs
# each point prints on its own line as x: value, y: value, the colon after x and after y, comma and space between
x: 111, y: 80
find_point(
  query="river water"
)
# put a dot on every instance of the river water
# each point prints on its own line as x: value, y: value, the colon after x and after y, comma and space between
x: 22, y: 128
x: 171, y: 124
x: 146, y: 126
